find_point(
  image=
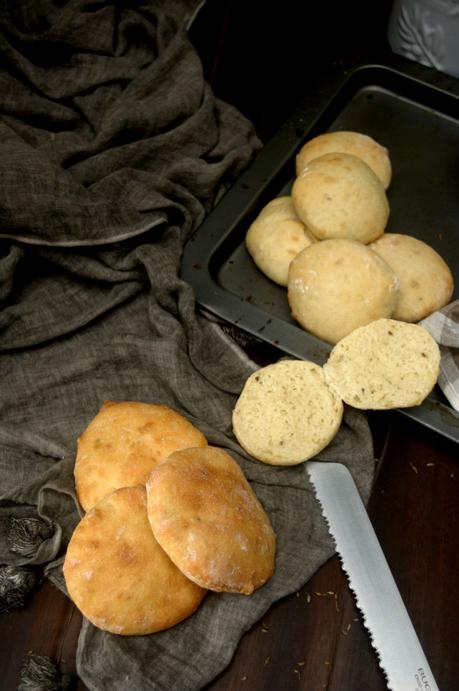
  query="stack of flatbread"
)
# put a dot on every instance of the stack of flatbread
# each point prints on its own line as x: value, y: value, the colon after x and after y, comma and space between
x: 168, y: 517
x: 327, y: 244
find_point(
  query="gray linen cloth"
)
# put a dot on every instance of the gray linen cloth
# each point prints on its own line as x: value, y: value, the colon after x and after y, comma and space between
x: 113, y: 149
x: 443, y: 326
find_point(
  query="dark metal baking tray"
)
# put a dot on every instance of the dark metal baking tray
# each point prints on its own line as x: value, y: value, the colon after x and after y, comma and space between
x: 414, y: 112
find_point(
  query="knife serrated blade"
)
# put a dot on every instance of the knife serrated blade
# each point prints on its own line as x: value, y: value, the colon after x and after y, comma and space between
x: 392, y: 634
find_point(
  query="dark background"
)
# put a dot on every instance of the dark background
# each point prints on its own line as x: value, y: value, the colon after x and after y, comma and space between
x: 262, y: 57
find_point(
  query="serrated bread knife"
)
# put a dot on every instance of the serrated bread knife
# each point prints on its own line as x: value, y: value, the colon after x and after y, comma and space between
x: 392, y: 634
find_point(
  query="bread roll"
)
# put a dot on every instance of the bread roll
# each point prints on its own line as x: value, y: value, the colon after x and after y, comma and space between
x: 286, y: 413
x: 117, y: 574
x: 361, y: 145
x: 205, y: 515
x: 275, y: 237
x: 339, y: 196
x: 122, y: 444
x: 337, y: 285
x: 385, y: 364
x: 426, y: 282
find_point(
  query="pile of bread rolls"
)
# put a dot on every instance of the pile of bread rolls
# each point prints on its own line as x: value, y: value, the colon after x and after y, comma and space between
x: 326, y: 243
x: 168, y: 518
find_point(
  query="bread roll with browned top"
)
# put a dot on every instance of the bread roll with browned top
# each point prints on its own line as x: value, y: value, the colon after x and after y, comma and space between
x: 346, y: 142
x: 275, y: 237
x: 123, y: 442
x: 117, y: 574
x: 207, y: 518
x: 339, y: 196
x: 338, y: 285
x: 426, y: 281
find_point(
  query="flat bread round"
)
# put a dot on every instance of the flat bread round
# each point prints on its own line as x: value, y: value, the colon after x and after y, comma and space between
x: 361, y: 145
x: 286, y: 413
x: 339, y: 196
x: 122, y: 444
x: 275, y: 237
x: 206, y: 516
x: 335, y: 286
x: 426, y: 282
x: 386, y: 364
x: 117, y: 574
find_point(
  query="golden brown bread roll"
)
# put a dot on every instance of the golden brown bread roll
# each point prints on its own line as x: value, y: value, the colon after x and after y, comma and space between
x: 117, y: 574
x: 426, y: 282
x: 207, y: 518
x: 122, y: 444
x: 275, y: 237
x: 337, y: 285
x: 361, y: 145
x: 339, y: 196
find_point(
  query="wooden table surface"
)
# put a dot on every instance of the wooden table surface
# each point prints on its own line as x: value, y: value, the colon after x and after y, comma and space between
x: 314, y: 639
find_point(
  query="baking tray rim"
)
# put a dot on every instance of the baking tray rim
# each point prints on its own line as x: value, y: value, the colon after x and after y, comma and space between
x: 267, y: 166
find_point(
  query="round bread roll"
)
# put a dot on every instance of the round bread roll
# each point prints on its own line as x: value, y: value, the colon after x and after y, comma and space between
x: 339, y: 196
x: 336, y: 286
x: 122, y: 444
x: 117, y: 574
x: 385, y: 364
x: 361, y: 145
x: 286, y: 413
x: 205, y: 515
x: 426, y: 282
x: 275, y: 237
